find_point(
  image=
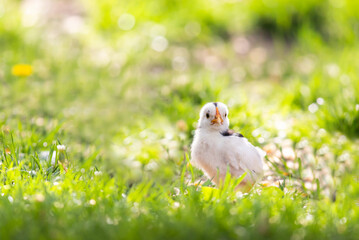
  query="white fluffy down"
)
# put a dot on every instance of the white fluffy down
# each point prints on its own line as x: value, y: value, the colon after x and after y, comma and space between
x: 214, y: 153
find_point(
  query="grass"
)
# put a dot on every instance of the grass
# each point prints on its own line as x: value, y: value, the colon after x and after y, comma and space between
x: 40, y: 199
x: 94, y: 143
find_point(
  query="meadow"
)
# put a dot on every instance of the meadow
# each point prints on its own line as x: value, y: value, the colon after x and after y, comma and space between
x: 99, y: 101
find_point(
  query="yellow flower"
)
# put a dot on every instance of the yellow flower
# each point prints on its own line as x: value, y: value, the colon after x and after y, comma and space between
x: 265, y: 184
x: 21, y: 70
x: 7, y: 151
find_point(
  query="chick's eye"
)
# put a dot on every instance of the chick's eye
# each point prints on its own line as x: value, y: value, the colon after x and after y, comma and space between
x: 207, y: 115
x: 225, y: 115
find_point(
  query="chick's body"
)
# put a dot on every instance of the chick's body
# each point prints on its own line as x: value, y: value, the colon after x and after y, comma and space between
x: 215, y: 150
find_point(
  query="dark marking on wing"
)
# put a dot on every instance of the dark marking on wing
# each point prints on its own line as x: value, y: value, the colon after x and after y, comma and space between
x: 215, y: 104
x: 231, y: 133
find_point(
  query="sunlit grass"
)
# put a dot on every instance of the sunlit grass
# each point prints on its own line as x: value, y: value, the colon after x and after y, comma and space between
x: 96, y: 127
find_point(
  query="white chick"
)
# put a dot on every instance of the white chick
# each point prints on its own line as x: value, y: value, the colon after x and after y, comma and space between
x: 215, y: 148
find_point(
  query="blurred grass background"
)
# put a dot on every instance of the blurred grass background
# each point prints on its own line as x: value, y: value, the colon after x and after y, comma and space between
x: 120, y: 84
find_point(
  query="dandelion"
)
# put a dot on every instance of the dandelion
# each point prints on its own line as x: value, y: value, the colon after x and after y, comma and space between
x: 159, y: 44
x: 39, y: 197
x: 333, y: 70
x: 58, y: 205
x: 152, y: 165
x: 61, y: 147
x: 265, y: 184
x: 320, y: 101
x: 239, y: 194
x: 126, y: 21
x: 313, y: 107
x: 7, y: 151
x: 343, y: 220
x: 21, y: 70
x: 176, y: 205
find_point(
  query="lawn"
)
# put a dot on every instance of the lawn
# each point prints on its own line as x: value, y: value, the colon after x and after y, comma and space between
x: 99, y: 101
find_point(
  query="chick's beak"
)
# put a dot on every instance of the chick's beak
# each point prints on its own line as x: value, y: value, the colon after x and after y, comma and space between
x: 217, y: 119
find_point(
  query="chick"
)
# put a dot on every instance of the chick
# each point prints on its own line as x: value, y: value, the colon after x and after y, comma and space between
x: 216, y: 149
